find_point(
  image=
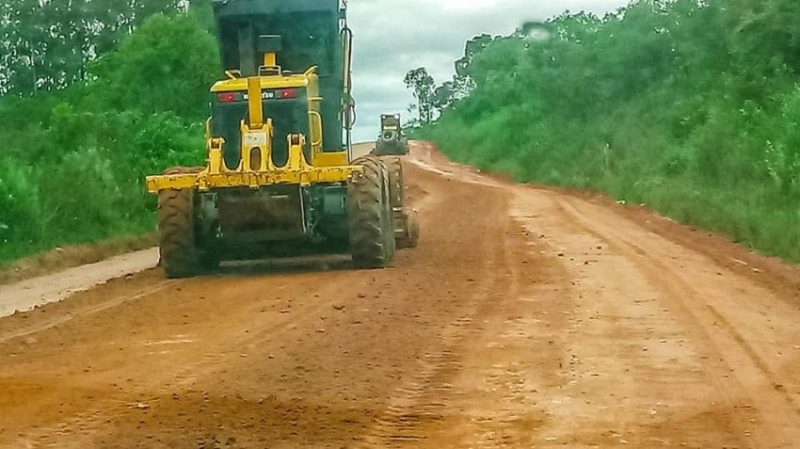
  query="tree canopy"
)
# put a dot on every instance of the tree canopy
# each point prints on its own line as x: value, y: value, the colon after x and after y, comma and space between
x: 46, y: 45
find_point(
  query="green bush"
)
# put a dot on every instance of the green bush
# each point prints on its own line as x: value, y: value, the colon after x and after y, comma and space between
x: 20, y: 202
x: 74, y: 161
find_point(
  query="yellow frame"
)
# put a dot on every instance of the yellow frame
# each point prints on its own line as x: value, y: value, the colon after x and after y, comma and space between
x: 256, y: 168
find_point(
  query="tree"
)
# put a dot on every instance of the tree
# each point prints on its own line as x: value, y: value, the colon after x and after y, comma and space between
x: 46, y: 45
x: 474, y: 47
x: 444, y: 96
x: 422, y: 85
x: 177, y: 52
x: 765, y: 32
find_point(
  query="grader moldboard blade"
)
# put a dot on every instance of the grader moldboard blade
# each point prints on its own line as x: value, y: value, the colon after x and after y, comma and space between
x: 280, y: 179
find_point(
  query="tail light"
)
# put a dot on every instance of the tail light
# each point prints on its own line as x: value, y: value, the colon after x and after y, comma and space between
x: 229, y: 97
x: 287, y: 94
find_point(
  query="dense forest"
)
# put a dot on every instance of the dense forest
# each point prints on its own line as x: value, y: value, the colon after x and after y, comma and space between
x: 94, y: 95
x: 691, y: 107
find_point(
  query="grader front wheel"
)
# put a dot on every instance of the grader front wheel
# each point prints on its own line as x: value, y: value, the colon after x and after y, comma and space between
x: 408, y: 236
x: 372, y: 242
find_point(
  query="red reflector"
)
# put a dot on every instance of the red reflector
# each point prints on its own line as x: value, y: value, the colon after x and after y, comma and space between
x: 227, y: 97
x: 288, y: 94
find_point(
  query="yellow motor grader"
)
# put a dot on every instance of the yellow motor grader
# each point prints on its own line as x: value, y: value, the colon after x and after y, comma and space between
x: 280, y: 178
x: 392, y: 141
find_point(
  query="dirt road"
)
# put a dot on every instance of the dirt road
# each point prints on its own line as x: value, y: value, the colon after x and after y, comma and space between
x: 526, y: 318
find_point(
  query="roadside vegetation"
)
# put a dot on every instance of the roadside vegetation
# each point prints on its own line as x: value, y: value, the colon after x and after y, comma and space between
x: 690, y: 107
x: 91, y: 107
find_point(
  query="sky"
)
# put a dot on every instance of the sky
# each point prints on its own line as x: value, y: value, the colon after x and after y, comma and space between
x: 392, y: 37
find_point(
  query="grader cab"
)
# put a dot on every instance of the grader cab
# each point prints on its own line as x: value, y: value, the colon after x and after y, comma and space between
x: 280, y: 178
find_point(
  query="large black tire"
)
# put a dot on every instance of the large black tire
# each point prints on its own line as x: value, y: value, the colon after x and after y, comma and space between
x: 372, y: 241
x: 395, y: 170
x: 391, y: 240
x: 204, y: 255
x: 179, y: 253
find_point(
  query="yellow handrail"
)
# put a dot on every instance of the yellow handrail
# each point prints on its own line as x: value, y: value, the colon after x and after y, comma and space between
x: 316, y: 134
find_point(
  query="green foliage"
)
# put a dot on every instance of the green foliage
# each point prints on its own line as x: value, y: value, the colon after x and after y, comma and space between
x: 422, y: 85
x: 171, y: 53
x: 691, y: 107
x: 46, y: 46
x: 74, y: 160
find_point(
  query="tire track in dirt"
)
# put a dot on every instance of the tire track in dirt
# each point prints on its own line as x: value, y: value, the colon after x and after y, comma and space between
x: 622, y: 349
x: 732, y: 363
x: 423, y: 400
x: 478, y: 392
x: 744, y: 419
x: 81, y: 431
x: 84, y: 311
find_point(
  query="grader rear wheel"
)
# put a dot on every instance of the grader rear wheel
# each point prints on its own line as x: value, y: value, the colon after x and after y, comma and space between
x: 395, y: 169
x: 179, y: 254
x: 379, y: 163
x: 391, y: 242
x: 372, y: 242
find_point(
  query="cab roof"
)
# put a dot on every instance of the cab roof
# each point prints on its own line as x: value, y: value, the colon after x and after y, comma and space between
x: 234, y: 8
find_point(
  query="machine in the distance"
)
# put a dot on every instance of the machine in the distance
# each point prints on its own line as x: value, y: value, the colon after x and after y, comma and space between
x: 279, y: 177
x: 391, y: 141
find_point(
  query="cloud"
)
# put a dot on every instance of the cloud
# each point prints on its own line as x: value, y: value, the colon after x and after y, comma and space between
x: 395, y: 36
